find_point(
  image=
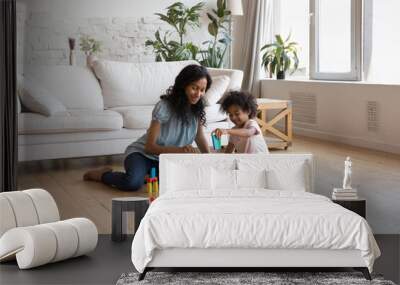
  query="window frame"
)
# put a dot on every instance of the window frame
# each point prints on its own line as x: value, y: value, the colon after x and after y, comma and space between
x: 356, y: 45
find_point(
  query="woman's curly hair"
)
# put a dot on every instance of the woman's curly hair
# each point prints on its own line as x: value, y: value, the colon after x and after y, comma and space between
x: 177, y: 98
x: 244, y: 100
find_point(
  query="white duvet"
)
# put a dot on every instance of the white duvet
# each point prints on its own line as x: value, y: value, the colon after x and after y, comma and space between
x: 253, y: 218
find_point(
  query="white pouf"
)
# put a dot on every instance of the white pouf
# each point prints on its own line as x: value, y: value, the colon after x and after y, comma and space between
x: 31, y: 233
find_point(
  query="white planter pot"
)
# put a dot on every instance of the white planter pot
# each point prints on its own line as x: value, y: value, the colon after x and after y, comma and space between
x: 90, y: 59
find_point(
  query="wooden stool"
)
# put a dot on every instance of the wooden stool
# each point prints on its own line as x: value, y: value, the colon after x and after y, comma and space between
x: 139, y: 205
x: 267, y: 126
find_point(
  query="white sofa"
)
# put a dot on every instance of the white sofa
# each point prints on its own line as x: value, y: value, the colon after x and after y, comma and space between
x: 105, y: 110
x: 31, y: 231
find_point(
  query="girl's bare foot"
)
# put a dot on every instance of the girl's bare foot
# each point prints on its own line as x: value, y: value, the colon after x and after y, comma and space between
x: 96, y: 174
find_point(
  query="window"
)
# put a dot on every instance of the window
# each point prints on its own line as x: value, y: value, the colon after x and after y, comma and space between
x: 335, y: 39
x: 343, y: 39
x: 382, y: 41
x: 292, y: 19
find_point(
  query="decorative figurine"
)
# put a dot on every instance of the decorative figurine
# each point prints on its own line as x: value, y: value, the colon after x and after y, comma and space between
x: 347, y: 174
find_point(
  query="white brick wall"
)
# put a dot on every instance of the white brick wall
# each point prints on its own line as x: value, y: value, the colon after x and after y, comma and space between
x: 21, y: 23
x: 123, y: 38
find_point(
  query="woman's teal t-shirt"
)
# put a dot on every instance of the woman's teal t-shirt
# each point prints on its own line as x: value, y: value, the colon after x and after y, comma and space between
x: 173, y: 132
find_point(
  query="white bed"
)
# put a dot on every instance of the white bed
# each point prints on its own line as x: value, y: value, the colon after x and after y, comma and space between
x: 247, y: 211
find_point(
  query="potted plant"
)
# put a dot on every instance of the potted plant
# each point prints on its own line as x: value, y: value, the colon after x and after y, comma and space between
x: 280, y: 56
x: 214, y: 54
x: 90, y: 47
x: 179, y: 17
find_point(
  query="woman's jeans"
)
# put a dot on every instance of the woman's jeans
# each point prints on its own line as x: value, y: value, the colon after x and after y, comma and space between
x: 136, y: 167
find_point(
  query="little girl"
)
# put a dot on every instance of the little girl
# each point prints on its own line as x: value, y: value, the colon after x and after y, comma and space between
x: 246, y: 136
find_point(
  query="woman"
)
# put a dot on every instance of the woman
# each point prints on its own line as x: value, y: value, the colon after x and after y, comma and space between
x: 177, y: 120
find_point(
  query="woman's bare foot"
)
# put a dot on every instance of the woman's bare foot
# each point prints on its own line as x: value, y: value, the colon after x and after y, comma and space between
x: 96, y: 174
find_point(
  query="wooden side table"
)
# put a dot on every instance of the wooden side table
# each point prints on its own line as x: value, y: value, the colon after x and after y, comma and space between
x: 139, y: 205
x: 358, y: 206
x: 268, y: 126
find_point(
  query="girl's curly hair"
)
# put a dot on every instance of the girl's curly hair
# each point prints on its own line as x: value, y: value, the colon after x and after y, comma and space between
x: 177, y: 98
x: 244, y: 100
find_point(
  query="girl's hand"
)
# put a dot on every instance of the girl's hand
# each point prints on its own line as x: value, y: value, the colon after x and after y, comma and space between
x: 188, y: 149
x: 219, y: 132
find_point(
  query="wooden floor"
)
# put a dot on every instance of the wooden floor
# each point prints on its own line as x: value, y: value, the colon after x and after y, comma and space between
x: 78, y: 198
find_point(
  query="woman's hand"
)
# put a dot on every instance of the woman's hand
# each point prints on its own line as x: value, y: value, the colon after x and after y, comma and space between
x: 188, y: 149
x: 219, y: 132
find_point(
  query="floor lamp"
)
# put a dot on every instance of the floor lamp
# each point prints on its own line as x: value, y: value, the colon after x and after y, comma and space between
x: 235, y: 6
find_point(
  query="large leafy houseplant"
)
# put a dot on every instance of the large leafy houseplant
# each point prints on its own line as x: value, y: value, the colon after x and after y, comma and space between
x: 280, y: 56
x: 214, y: 54
x: 179, y: 17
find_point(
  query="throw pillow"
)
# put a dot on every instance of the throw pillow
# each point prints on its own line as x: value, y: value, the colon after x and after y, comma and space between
x: 18, y: 105
x: 20, y: 80
x: 218, y: 88
x: 38, y: 100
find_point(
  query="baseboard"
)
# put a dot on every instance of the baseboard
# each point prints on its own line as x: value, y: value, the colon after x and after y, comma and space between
x: 354, y: 141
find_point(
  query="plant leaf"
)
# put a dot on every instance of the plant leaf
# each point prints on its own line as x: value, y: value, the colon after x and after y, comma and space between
x: 213, y: 29
x: 279, y: 39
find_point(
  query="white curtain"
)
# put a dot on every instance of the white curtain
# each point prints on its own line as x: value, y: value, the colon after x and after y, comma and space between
x: 259, y: 30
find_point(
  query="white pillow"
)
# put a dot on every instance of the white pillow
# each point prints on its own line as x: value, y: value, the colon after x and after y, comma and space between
x: 18, y: 105
x: 252, y: 178
x: 282, y: 174
x: 218, y: 88
x: 291, y: 178
x: 224, y: 179
x: 38, y: 100
x: 136, y: 83
x: 236, y: 179
x: 20, y: 80
x: 183, y: 177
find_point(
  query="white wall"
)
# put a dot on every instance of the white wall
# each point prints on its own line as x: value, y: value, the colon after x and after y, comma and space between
x: 238, y: 33
x: 385, y: 42
x: 342, y: 111
x: 122, y: 26
x: 105, y: 8
x: 342, y: 117
x: 21, y: 35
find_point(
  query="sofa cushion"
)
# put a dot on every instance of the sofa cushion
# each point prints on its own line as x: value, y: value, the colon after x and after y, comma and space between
x: 135, y: 117
x: 18, y: 105
x: 76, y: 87
x: 38, y: 99
x: 235, y: 76
x: 20, y: 81
x: 139, y: 117
x: 214, y: 114
x: 130, y: 84
x: 218, y: 88
x: 69, y: 121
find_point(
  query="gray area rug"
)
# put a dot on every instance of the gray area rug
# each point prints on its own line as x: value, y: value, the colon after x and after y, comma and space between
x: 269, y: 278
